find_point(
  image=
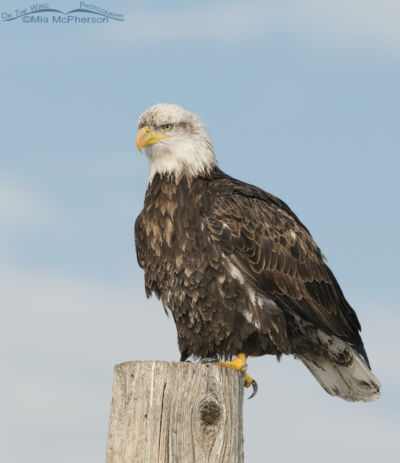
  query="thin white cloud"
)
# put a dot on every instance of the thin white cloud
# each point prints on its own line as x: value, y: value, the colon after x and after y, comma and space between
x: 21, y: 208
x: 347, y: 24
x: 18, y: 207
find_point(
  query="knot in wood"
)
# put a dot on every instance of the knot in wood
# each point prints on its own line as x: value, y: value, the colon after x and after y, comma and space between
x: 210, y: 412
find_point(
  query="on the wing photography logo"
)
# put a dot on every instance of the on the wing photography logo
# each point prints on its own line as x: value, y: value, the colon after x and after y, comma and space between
x: 42, y: 13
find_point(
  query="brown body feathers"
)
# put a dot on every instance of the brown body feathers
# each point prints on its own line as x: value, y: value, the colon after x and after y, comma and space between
x: 238, y: 270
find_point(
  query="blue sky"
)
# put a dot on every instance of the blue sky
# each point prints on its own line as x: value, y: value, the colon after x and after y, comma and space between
x: 300, y: 97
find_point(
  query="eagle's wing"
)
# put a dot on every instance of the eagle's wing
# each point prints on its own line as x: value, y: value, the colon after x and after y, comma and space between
x: 279, y: 258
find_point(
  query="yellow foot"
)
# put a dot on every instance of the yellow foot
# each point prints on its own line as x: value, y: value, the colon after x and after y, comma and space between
x: 239, y: 363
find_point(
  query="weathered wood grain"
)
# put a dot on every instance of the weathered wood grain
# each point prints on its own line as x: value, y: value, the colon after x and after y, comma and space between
x: 182, y: 412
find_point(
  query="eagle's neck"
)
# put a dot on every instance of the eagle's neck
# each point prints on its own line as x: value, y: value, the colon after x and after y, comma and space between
x: 185, y: 157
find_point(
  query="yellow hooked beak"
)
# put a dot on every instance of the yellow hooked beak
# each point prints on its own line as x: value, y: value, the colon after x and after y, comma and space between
x: 146, y: 137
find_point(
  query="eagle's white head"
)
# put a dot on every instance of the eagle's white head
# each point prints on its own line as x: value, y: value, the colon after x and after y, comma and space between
x: 175, y: 141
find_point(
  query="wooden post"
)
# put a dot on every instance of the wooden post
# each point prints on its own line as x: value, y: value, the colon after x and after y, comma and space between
x: 182, y: 412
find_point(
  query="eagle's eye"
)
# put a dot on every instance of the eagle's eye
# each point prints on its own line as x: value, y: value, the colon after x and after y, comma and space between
x: 166, y: 127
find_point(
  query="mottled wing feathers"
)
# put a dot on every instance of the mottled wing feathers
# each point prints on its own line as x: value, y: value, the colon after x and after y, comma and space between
x: 269, y: 245
x: 139, y: 237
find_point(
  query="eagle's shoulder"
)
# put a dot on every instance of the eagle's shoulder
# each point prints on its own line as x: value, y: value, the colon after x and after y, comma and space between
x: 223, y: 184
x: 259, y: 214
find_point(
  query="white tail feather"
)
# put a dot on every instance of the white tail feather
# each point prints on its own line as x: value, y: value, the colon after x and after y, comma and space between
x: 353, y: 382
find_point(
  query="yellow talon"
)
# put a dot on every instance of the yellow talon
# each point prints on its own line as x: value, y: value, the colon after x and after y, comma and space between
x: 238, y: 363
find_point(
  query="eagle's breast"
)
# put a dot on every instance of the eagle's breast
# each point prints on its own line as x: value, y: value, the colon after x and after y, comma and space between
x: 169, y: 249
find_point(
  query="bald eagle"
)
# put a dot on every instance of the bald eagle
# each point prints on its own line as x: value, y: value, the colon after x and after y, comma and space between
x: 237, y: 269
